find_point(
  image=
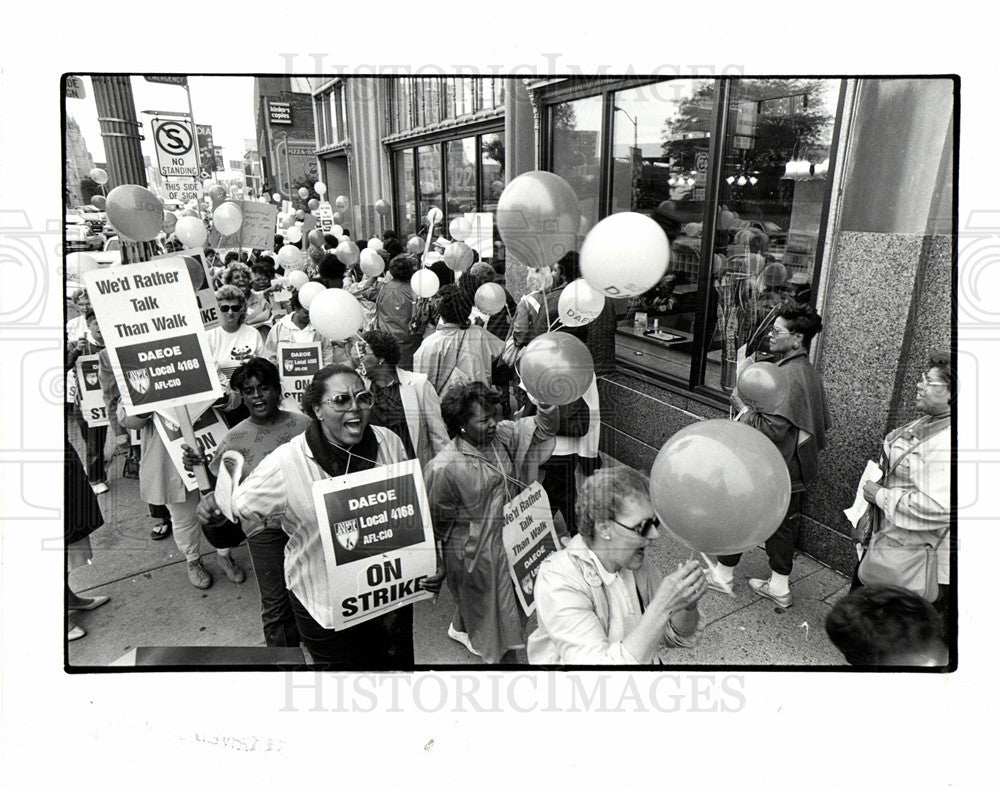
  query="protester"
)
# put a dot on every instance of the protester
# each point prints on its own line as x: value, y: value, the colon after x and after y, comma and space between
x: 457, y: 352
x: 94, y: 437
x: 405, y: 402
x: 887, y: 627
x: 798, y: 428
x: 912, y: 502
x: 76, y: 327
x: 83, y: 517
x: 601, y: 601
x: 482, y: 273
x: 240, y: 275
x: 331, y: 271
x: 487, y: 463
x: 259, y: 384
x: 338, y: 441
x: 394, y: 303
x: 231, y: 342
x: 295, y: 328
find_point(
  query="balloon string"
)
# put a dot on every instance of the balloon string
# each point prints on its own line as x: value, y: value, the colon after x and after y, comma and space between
x: 707, y: 561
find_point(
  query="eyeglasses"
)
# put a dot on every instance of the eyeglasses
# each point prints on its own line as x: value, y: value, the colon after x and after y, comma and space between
x: 225, y: 308
x: 643, y: 528
x: 343, y: 402
x: 778, y: 332
x: 925, y: 383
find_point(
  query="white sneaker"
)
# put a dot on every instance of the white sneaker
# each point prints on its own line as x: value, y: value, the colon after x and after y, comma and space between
x: 99, y: 488
x: 462, y: 637
x: 716, y: 583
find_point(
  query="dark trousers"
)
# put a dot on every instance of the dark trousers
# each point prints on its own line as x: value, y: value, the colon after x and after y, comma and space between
x: 267, y: 553
x: 559, y: 484
x: 158, y: 511
x: 780, y: 547
x: 385, y: 642
x: 94, y: 437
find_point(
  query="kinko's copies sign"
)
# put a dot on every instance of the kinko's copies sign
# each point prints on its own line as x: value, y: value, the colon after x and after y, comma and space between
x: 209, y: 429
x: 201, y: 281
x: 297, y: 364
x: 92, y: 406
x: 528, y: 538
x: 378, y: 540
x: 256, y: 231
x: 151, y: 324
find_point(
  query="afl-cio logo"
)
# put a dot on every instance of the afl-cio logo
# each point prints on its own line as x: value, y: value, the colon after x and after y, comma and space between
x: 174, y: 138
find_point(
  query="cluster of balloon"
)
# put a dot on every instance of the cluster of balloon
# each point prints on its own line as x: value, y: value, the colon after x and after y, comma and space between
x: 763, y: 386
x: 297, y: 279
x: 290, y: 258
x: 98, y: 175
x: 460, y: 228
x: 227, y: 218
x: 135, y: 212
x: 720, y: 487
x: 336, y: 314
x: 458, y: 257
x: 319, y: 187
x: 382, y: 207
x: 415, y: 245
x: 374, y: 243
x: 341, y: 202
x: 190, y: 231
x: 99, y: 202
x: 316, y: 238
x: 78, y: 263
x: 556, y: 368
x: 538, y: 217
x: 303, y: 193
x: 579, y: 304
x: 347, y: 252
x: 372, y: 264
x: 313, y: 204
x: 624, y: 255
x: 425, y: 283
x: 293, y: 234
x: 308, y: 291
x: 490, y: 298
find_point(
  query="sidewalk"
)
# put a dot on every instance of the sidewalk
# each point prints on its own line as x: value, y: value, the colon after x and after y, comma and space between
x: 152, y: 602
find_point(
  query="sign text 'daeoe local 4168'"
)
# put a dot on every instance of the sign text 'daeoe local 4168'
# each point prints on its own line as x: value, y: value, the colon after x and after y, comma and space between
x: 152, y: 328
x: 528, y: 538
x: 297, y: 365
x: 378, y: 540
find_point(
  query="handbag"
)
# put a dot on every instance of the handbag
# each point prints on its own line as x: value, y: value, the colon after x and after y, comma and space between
x: 901, y: 558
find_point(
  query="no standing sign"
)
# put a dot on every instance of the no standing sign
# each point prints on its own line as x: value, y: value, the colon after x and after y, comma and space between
x: 175, y: 148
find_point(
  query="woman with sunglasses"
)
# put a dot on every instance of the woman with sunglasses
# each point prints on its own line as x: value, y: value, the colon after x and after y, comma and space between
x: 487, y: 463
x: 232, y: 343
x: 602, y: 600
x: 337, y: 442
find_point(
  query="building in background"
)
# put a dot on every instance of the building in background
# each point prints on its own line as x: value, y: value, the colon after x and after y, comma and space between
x: 79, y: 162
x: 286, y: 137
x: 765, y: 187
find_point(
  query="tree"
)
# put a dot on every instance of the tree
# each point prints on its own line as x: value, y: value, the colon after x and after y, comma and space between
x: 89, y: 188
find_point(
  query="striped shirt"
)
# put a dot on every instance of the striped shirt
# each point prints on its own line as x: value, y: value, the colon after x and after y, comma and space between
x: 281, y: 486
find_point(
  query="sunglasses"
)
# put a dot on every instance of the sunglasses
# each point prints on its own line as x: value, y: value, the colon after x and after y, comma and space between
x: 225, y: 308
x: 342, y: 402
x: 643, y: 528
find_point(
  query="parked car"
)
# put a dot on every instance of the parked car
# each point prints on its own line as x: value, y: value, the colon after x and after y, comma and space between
x: 93, y: 216
x: 78, y: 235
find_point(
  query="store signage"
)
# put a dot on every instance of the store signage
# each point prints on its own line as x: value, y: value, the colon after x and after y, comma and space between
x: 206, y: 148
x: 378, y: 540
x: 280, y: 112
x: 163, y: 80
x: 174, y: 141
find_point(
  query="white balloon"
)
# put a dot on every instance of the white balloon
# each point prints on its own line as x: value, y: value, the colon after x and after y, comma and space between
x: 79, y: 263
x: 341, y: 202
x: 308, y: 291
x: 298, y: 279
x: 460, y: 228
x: 290, y: 258
x: 424, y: 283
x: 191, y: 232
x: 375, y: 244
x: 580, y: 304
x: 434, y: 216
x: 336, y: 314
x: 338, y: 231
x: 624, y: 255
x: 319, y: 187
x: 293, y: 234
x: 228, y: 218
x: 372, y: 263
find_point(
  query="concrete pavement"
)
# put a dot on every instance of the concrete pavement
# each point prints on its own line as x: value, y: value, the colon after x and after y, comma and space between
x: 152, y: 602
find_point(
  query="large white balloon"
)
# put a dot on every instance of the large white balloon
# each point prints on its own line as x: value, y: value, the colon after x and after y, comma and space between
x: 298, y: 279
x: 624, y: 255
x: 319, y: 187
x: 372, y: 263
x: 579, y: 304
x: 375, y: 243
x: 191, y: 232
x: 227, y: 218
x: 336, y: 314
x: 290, y: 258
x: 78, y: 264
x: 293, y: 234
x: 434, y: 216
x: 308, y: 291
x: 424, y: 283
x: 460, y: 228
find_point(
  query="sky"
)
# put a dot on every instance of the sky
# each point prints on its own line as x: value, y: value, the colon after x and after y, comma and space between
x: 224, y: 103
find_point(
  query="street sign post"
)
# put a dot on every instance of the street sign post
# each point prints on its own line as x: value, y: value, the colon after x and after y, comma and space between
x: 176, y: 151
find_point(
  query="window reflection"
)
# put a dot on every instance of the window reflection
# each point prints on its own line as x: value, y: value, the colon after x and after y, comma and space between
x: 461, y: 177
x: 405, y: 191
x: 576, y: 150
x: 428, y: 182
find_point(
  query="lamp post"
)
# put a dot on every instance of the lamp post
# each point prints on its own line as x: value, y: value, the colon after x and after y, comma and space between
x: 635, y: 125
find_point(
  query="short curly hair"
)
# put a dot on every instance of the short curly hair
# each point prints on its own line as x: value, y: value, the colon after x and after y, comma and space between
x: 873, y: 624
x: 383, y: 344
x: 458, y: 402
x: 261, y: 368
x: 402, y: 267
x: 941, y: 360
x: 802, y: 319
x: 230, y: 292
x: 233, y: 268
x: 454, y: 304
x: 602, y: 495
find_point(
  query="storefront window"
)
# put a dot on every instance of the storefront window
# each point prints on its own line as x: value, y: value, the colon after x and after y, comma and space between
x: 775, y: 173
x: 492, y: 176
x: 461, y: 160
x: 575, y: 128
x: 428, y: 182
x: 405, y: 205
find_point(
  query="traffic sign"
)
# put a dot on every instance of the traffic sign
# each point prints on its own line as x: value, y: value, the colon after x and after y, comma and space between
x: 175, y: 148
